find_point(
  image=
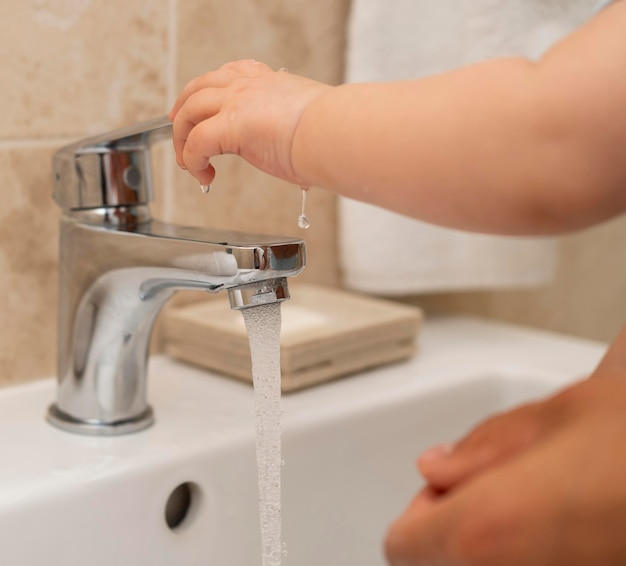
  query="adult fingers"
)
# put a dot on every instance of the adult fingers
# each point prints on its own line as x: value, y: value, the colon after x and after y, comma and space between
x: 501, y: 437
x: 489, y: 444
x: 420, y: 532
x: 486, y: 522
x: 614, y: 361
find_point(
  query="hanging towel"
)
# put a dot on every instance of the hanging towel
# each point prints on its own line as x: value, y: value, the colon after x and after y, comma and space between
x: 385, y: 253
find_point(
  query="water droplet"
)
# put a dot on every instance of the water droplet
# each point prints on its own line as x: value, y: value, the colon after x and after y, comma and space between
x: 205, y: 188
x: 304, y: 222
x: 303, y: 219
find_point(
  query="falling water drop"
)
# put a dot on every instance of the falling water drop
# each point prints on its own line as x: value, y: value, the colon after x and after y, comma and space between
x: 303, y: 219
x: 304, y: 222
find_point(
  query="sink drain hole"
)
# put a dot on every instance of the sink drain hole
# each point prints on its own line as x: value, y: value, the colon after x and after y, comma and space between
x: 180, y: 503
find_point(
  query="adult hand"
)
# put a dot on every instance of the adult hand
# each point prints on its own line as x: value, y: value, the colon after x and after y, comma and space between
x: 543, y: 484
x: 504, y: 435
x: 243, y: 108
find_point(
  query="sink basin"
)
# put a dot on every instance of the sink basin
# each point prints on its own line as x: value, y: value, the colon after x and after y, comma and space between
x: 184, y: 492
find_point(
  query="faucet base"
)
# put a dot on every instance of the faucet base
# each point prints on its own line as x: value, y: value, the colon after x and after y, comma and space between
x: 63, y: 421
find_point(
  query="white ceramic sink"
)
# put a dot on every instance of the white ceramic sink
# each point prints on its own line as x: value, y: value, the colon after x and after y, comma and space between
x: 349, y: 450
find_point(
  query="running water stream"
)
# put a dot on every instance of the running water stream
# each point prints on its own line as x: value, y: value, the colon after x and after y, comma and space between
x: 263, y: 326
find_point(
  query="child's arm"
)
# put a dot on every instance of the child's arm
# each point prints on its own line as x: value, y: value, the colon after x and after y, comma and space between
x: 506, y: 146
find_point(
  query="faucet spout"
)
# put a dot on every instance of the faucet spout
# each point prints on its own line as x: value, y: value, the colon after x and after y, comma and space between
x: 113, y: 284
x: 117, y: 269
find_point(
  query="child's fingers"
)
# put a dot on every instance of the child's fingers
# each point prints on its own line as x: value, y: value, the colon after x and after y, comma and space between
x: 215, y: 79
x: 200, y: 106
x: 203, y: 142
x: 220, y: 78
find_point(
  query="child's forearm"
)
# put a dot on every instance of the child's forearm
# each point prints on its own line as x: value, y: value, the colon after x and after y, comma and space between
x: 506, y: 146
x: 452, y: 149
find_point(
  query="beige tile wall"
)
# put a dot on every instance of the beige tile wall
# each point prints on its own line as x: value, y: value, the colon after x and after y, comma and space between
x: 70, y: 68
x: 28, y: 259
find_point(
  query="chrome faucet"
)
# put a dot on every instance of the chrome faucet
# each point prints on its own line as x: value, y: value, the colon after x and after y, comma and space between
x: 118, y: 267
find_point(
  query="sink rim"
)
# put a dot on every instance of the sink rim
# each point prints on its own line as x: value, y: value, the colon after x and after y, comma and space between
x: 196, y: 410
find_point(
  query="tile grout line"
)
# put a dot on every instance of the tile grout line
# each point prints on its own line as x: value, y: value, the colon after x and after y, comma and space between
x: 172, y: 52
x: 167, y: 192
x: 26, y: 143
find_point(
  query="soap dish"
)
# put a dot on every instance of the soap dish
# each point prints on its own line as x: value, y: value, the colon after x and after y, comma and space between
x: 326, y: 334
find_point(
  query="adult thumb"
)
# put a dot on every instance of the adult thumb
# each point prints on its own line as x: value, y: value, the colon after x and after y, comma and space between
x: 613, y: 363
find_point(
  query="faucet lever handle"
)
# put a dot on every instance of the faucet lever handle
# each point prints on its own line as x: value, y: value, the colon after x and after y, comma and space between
x: 110, y: 169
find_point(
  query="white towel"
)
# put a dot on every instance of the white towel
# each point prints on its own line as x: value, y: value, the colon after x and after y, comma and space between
x: 384, y: 253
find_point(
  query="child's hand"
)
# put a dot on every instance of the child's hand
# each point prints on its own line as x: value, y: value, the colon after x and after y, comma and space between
x: 244, y: 108
x: 541, y: 485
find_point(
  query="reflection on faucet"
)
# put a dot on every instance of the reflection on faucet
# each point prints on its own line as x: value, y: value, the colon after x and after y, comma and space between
x: 117, y: 269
